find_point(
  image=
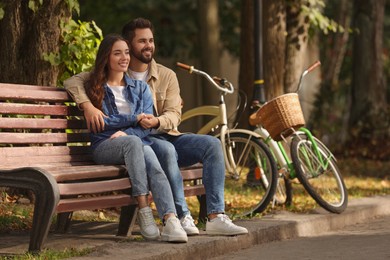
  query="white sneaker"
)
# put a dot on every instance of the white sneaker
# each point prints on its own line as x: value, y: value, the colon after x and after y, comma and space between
x: 187, y: 222
x: 222, y: 225
x: 149, y: 229
x: 173, y: 232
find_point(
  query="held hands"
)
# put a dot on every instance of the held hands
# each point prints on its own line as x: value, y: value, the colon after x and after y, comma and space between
x: 148, y: 121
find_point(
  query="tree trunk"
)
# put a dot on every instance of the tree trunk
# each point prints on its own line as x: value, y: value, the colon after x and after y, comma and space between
x: 369, y: 117
x: 210, y: 46
x: 274, y: 47
x: 25, y: 36
x: 296, y: 42
x: 247, y: 61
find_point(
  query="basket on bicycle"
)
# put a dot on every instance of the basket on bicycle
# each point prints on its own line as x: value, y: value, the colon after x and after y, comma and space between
x: 279, y: 115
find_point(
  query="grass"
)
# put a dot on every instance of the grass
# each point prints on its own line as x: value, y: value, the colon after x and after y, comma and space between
x: 50, y: 254
x: 363, y: 178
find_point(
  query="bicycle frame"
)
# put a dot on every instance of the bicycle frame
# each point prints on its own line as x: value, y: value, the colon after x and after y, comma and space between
x: 219, y: 114
x: 280, y: 153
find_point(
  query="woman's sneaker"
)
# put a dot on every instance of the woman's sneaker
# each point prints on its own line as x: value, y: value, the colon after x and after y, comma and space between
x: 149, y: 229
x: 187, y: 222
x: 173, y: 232
x: 222, y: 225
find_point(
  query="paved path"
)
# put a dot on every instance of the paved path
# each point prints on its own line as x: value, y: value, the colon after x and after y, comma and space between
x: 367, y: 240
x: 262, y: 231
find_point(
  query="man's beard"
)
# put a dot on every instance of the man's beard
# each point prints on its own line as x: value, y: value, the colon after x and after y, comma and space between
x: 142, y: 58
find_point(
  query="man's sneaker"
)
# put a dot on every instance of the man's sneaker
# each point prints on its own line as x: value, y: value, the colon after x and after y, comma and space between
x: 149, y: 229
x: 187, y: 222
x: 222, y: 225
x: 173, y: 232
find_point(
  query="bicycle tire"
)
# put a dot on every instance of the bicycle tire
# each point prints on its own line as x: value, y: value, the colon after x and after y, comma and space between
x: 326, y: 186
x: 243, y: 198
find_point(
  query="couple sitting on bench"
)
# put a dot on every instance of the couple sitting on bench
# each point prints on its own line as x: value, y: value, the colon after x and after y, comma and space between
x: 118, y: 107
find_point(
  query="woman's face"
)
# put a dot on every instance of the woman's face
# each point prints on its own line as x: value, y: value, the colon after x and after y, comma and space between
x: 119, y: 57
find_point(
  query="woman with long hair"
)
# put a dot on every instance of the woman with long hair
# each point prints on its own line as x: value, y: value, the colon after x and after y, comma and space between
x: 125, y: 102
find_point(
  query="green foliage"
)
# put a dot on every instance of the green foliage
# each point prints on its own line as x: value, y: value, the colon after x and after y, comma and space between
x: 314, y: 10
x: 176, y: 22
x: 34, y: 4
x: 1, y: 10
x: 80, y: 41
x: 73, y: 6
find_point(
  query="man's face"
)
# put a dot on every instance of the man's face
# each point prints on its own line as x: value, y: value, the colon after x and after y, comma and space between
x: 142, y: 46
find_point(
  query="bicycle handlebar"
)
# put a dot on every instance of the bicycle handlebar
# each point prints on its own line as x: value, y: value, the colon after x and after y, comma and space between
x: 221, y: 84
x: 312, y: 67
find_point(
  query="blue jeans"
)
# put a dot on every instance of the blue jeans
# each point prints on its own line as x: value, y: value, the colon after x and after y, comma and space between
x: 142, y: 166
x: 190, y: 149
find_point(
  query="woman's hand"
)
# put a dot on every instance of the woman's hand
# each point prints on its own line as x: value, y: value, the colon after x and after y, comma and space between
x: 140, y: 117
x: 118, y: 134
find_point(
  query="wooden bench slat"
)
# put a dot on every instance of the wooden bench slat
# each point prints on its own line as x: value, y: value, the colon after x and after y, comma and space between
x: 29, y: 87
x: 43, y: 151
x: 42, y: 138
x: 112, y: 201
x: 81, y: 188
x: 41, y: 123
x: 192, y: 174
x: 33, y: 161
x: 194, y: 190
x: 66, y: 174
x: 32, y: 109
x: 32, y: 95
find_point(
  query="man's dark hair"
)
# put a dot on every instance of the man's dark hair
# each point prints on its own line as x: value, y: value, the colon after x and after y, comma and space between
x: 128, y: 30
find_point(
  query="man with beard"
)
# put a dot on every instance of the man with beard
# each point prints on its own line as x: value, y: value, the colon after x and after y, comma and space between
x: 173, y: 148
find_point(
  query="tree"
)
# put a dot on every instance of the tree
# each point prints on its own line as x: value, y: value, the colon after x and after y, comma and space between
x: 297, y: 24
x: 28, y: 30
x: 369, y: 114
x: 210, y: 44
x: 274, y: 22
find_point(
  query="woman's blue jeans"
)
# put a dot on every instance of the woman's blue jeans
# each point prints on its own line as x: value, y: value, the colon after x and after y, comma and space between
x: 142, y: 166
x: 190, y: 149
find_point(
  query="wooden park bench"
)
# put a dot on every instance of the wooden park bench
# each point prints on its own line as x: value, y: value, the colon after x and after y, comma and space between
x: 44, y: 148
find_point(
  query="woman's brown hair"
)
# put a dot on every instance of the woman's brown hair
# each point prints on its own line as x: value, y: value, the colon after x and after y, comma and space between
x: 100, y: 72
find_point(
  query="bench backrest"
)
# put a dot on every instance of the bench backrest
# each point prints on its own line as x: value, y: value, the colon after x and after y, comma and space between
x: 41, y: 126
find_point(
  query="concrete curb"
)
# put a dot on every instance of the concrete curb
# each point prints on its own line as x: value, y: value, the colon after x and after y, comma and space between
x: 281, y: 225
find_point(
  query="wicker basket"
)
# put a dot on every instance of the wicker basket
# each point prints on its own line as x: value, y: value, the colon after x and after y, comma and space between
x: 281, y: 114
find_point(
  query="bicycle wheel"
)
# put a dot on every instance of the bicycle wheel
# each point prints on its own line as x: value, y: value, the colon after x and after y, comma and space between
x: 322, y: 181
x: 243, y: 198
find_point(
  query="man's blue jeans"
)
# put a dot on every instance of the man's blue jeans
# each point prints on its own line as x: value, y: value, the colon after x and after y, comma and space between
x: 142, y: 166
x: 189, y: 149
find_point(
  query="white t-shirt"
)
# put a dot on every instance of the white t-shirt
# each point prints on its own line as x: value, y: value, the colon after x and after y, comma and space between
x: 138, y: 75
x: 120, y: 100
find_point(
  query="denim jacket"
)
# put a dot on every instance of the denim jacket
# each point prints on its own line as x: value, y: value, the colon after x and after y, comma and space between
x: 140, y: 98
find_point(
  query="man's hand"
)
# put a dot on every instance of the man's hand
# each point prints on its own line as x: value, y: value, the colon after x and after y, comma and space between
x: 149, y: 121
x: 117, y: 134
x: 94, y: 117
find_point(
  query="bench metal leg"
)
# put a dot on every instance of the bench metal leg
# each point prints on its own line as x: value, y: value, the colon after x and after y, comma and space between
x: 45, y: 189
x: 127, y: 219
x: 63, y: 222
x: 202, y: 209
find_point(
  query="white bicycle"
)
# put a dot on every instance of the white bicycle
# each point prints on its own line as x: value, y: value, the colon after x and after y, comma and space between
x: 243, y: 150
